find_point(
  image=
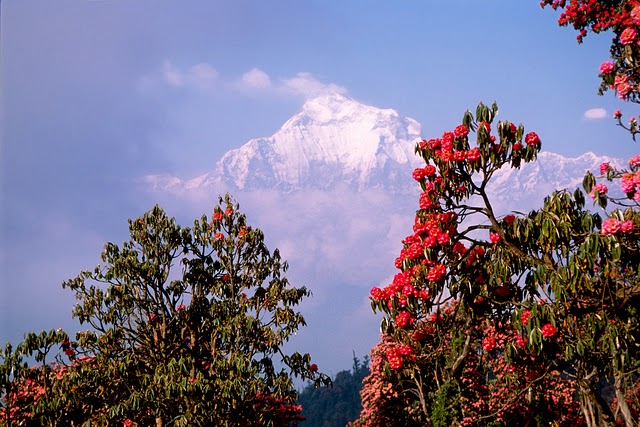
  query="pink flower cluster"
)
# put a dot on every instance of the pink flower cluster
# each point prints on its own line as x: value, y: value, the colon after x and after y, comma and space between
x: 488, y: 344
x: 611, y: 226
x: 628, y: 36
x: 622, y: 86
x: 630, y: 182
x: 532, y: 139
x: 600, y: 188
x: 396, y: 354
x: 403, y: 319
x: 607, y: 67
x: 548, y: 331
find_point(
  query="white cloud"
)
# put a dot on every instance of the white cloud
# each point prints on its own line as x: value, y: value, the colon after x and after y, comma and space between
x: 307, y: 85
x: 255, y: 79
x: 595, y: 114
x: 204, y: 76
x: 200, y: 76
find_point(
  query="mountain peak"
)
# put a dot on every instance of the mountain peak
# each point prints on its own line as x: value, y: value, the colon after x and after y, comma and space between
x: 334, y: 140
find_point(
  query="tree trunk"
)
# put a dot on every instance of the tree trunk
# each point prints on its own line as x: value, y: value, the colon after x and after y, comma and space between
x: 158, y: 422
x: 587, y: 410
x: 619, y: 386
x: 603, y: 415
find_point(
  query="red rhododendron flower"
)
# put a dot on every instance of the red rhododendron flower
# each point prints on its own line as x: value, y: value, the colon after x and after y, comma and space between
x: 418, y: 174
x: 403, y: 319
x: 525, y: 316
x: 635, y: 14
x: 459, y: 156
x: 604, y: 168
x: 634, y: 161
x: 517, y: 146
x: 509, y: 219
x: 460, y: 248
x: 488, y: 344
x: 532, y: 139
x: 610, y: 226
x: 217, y: 216
x: 408, y: 290
x: 313, y: 367
x: 429, y: 170
x: 444, y: 238
x: 434, y: 144
x: 521, y: 342
x: 627, y: 226
x: 473, y: 154
x: 617, y: 114
x: 460, y: 131
x: 445, y: 155
x: 607, y: 67
x: 628, y: 36
x: 435, y: 318
x: 394, y: 358
x: 376, y: 293
x: 548, y: 330
x: 419, y: 335
x: 425, y: 201
x: 218, y: 236
x: 436, y: 273
x: 600, y: 188
x: 494, y: 237
x: 626, y: 183
x: 622, y: 86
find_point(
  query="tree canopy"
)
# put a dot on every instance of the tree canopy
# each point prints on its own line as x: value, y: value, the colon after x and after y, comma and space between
x: 510, y: 318
x: 186, y: 327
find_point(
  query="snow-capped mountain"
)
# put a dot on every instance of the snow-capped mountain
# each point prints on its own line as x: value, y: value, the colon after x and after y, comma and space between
x: 334, y: 141
x: 525, y: 188
x: 337, y: 142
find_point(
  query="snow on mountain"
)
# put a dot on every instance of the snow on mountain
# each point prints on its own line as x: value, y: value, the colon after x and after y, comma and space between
x: 525, y: 188
x: 337, y: 142
x: 334, y: 141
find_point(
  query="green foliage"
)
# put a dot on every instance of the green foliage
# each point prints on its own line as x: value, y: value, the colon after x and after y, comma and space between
x: 337, y: 405
x: 446, y: 400
x: 185, y: 324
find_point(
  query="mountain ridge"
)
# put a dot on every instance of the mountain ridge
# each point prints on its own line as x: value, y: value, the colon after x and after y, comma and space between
x: 337, y: 142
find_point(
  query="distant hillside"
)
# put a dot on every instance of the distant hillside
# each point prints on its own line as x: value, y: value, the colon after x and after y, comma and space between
x: 338, y: 405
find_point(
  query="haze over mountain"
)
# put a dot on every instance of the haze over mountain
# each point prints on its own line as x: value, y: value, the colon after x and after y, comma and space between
x: 337, y: 142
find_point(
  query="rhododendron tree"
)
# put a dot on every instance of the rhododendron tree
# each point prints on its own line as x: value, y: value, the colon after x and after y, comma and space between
x: 186, y: 327
x: 622, y: 18
x: 486, y: 304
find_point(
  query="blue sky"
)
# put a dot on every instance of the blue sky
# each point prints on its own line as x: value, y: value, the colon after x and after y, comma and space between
x: 97, y: 94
